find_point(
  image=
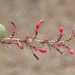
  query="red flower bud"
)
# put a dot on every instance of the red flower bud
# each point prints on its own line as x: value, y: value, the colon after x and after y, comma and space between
x: 69, y: 49
x: 27, y: 36
x: 37, y: 25
x: 12, y: 42
x: 61, y: 29
x: 46, y: 40
x: 21, y: 46
x: 59, y: 44
x: 43, y: 50
x: 34, y: 47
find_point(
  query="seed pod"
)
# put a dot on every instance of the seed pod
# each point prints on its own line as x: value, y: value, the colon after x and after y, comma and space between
x: 2, y: 31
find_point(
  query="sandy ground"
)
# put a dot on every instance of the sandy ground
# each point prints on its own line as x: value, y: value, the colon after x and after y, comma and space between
x: 25, y: 13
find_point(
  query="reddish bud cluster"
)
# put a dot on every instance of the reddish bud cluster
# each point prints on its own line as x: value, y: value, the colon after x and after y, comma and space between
x: 38, y: 26
x: 61, y: 29
x: 29, y: 41
x: 21, y: 46
x: 38, y: 49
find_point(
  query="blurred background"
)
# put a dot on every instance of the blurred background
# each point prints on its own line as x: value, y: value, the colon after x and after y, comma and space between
x: 25, y: 13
